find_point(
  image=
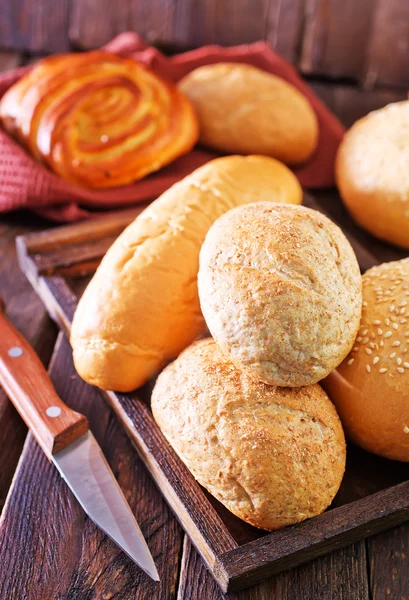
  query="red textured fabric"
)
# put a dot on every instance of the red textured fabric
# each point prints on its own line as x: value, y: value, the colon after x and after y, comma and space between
x: 24, y: 183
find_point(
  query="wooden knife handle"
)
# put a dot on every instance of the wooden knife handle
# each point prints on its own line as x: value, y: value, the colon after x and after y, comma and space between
x: 28, y: 386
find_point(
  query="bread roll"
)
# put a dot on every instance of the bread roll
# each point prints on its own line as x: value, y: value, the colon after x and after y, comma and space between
x: 372, y: 169
x: 98, y: 119
x: 371, y: 387
x: 246, y: 110
x: 280, y: 289
x: 273, y: 456
x: 142, y: 307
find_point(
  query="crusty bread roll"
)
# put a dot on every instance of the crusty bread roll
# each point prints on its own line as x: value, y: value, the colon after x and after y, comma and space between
x: 280, y: 289
x: 98, y: 119
x: 246, y: 110
x: 142, y: 307
x: 372, y: 169
x: 371, y: 387
x: 273, y: 456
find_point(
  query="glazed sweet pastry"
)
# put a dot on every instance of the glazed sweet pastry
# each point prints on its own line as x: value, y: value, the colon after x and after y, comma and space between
x: 245, y: 110
x: 142, y: 307
x: 280, y: 289
x: 273, y: 456
x: 372, y: 169
x: 97, y: 119
x: 370, y: 388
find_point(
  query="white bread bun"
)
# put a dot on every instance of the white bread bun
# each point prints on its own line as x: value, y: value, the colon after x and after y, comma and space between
x: 273, y: 456
x: 142, y: 307
x: 246, y: 110
x: 280, y: 289
x: 372, y: 172
x: 371, y: 387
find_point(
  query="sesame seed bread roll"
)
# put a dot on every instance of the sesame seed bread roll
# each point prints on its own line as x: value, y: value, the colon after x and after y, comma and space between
x: 142, y: 307
x: 280, y: 289
x: 370, y: 388
x: 273, y: 456
x: 372, y: 170
x: 246, y: 110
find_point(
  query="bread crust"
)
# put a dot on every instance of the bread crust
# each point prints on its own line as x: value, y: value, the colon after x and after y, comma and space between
x: 372, y: 169
x: 142, y: 308
x: 370, y: 388
x: 98, y: 119
x: 273, y: 456
x: 249, y: 111
x: 280, y: 289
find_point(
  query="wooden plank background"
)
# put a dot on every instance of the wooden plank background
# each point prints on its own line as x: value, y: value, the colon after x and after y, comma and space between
x: 360, y: 41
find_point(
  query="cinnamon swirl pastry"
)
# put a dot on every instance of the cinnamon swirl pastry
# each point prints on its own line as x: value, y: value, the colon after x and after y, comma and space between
x: 98, y: 119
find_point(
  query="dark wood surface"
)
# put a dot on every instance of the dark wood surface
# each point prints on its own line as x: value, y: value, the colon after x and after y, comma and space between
x: 376, y: 569
x: 365, y: 41
x: 49, y: 549
x: 373, y: 496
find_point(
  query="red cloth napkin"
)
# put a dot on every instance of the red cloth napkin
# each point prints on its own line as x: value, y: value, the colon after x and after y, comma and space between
x: 24, y: 183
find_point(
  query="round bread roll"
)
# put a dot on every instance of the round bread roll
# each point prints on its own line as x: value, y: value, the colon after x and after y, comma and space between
x: 371, y: 387
x: 246, y: 110
x: 273, y: 456
x: 280, y: 289
x: 141, y: 308
x: 372, y: 172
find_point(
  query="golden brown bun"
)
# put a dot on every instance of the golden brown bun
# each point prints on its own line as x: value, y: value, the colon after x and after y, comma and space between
x: 372, y: 169
x: 273, y: 456
x: 246, y: 110
x: 142, y: 307
x: 98, y: 119
x: 280, y: 289
x: 371, y: 387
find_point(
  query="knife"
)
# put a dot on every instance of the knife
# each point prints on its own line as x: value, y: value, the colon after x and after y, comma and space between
x: 65, y: 438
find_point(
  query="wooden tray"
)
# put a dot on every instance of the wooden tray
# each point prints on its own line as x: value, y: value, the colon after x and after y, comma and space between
x: 374, y: 495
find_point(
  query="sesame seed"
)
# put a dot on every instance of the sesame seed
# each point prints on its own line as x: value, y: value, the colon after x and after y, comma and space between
x: 380, y: 332
x: 406, y: 429
x: 371, y: 345
x: 395, y: 325
x: 375, y: 360
x: 366, y: 340
x: 392, y: 307
x: 403, y: 303
x: 392, y: 355
x: 383, y: 370
x: 388, y: 334
x: 373, y: 336
x: 403, y: 321
x: 381, y: 343
x: 406, y: 365
x: 368, y: 368
x: 391, y: 375
x: 397, y: 343
x: 377, y: 322
x: 402, y: 311
x: 387, y: 321
x: 355, y: 348
x: 400, y: 370
x: 364, y: 303
x: 368, y: 350
x: 365, y: 331
x: 351, y: 360
x: 359, y: 339
x: 399, y: 361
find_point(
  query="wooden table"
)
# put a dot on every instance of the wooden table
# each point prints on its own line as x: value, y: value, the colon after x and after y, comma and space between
x: 90, y: 566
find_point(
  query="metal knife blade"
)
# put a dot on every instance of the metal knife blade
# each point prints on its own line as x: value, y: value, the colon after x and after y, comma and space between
x: 86, y: 471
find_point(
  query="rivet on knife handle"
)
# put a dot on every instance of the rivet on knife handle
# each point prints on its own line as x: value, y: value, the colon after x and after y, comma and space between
x: 26, y: 382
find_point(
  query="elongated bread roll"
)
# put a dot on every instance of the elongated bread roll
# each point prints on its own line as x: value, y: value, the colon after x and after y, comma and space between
x: 142, y: 307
